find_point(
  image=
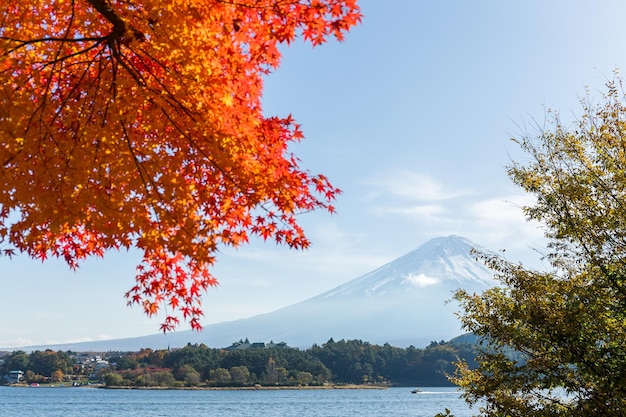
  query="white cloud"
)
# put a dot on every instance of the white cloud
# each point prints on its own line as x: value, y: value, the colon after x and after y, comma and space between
x: 14, y: 343
x: 82, y: 339
x: 420, y: 205
x: 502, y: 209
x: 412, y: 186
x: 502, y: 219
x: 413, y: 195
x: 416, y: 211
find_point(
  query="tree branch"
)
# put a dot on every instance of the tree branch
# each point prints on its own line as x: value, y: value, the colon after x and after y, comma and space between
x: 104, y: 8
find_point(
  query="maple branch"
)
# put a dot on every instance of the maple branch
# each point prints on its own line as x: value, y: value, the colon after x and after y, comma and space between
x: 120, y: 28
x: 116, y: 53
x: 256, y: 6
x: 145, y: 176
x: 140, y: 167
x: 109, y: 137
x: 104, y: 8
x: 77, y: 83
x: 170, y: 97
x: 58, y: 59
x: 202, y: 152
x: 164, y: 87
x: 23, y: 43
x: 63, y: 39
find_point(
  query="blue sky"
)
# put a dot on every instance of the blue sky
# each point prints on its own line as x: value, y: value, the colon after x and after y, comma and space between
x: 411, y: 117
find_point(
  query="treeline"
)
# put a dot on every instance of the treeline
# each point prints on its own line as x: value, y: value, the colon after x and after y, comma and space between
x: 342, y: 362
x: 41, y: 366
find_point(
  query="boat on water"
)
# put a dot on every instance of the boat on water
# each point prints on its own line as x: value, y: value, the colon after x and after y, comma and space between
x: 415, y: 391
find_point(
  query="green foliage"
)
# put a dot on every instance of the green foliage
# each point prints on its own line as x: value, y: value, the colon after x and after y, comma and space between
x: 48, y: 361
x: 155, y: 378
x: 568, y: 325
x: 219, y: 376
x: 239, y: 374
x: 446, y: 413
x: 114, y: 380
x: 188, y: 374
x: 126, y: 362
x: 16, y: 361
x: 200, y: 357
x: 343, y: 362
x: 40, y: 364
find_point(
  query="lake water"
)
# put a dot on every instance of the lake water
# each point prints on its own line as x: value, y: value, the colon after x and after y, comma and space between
x: 92, y: 402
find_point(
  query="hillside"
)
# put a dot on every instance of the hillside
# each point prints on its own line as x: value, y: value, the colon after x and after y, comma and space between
x: 403, y: 303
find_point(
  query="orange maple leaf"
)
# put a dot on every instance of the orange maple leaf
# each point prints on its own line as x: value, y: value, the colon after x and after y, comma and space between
x: 119, y: 130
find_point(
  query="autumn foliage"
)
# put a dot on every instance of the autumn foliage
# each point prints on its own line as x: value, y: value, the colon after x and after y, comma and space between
x: 138, y: 123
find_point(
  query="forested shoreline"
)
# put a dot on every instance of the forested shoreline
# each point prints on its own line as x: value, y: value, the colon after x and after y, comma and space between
x: 352, y: 362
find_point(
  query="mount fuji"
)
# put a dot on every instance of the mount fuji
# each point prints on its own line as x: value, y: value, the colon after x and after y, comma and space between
x: 404, y: 302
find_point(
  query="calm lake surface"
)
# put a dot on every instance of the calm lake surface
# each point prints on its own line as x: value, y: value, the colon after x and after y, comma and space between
x: 93, y: 402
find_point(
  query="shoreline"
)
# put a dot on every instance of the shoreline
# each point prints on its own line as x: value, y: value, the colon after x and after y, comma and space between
x: 207, y: 388
x: 257, y: 388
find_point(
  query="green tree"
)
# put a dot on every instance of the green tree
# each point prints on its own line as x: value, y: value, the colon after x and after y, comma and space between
x: 30, y: 376
x: 220, y: 375
x: 188, y: 374
x: 200, y: 357
x: 16, y: 361
x: 281, y: 375
x: 239, y: 374
x: 304, y: 378
x: 567, y: 325
x: 126, y: 362
x: 46, y: 362
x: 161, y: 378
x: 113, y: 380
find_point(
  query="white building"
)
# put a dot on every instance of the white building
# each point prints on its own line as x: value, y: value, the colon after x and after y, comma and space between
x: 14, y: 377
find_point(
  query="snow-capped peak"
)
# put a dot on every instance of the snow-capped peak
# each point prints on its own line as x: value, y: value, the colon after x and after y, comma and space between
x: 444, y: 260
x: 402, y: 303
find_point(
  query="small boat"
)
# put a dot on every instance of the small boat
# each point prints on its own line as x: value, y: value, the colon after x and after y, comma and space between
x: 416, y: 390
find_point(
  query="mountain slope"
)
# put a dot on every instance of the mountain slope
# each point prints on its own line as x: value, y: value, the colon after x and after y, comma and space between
x: 402, y: 303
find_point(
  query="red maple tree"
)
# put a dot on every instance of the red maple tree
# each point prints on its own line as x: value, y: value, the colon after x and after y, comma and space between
x: 139, y: 123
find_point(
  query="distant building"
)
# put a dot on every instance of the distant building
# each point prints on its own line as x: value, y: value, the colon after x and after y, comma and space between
x: 243, y: 345
x: 14, y: 377
x: 100, y: 365
x: 99, y: 368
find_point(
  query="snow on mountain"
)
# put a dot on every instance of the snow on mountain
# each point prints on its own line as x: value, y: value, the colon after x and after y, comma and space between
x: 405, y: 302
x: 444, y: 260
